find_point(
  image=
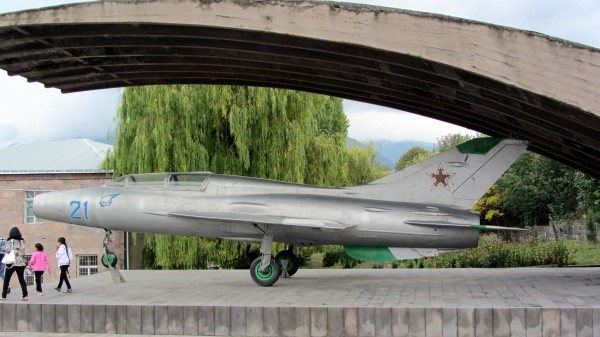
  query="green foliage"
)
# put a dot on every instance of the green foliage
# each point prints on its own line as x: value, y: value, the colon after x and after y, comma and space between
x: 337, y: 257
x: 361, y: 167
x: 412, y: 156
x: 492, y: 252
x: 588, y: 192
x: 260, y: 132
x: 450, y: 140
x: 592, y: 228
x: 585, y: 253
x: 535, y: 188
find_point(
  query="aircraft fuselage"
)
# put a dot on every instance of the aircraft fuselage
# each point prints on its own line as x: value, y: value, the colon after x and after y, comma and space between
x: 230, y: 207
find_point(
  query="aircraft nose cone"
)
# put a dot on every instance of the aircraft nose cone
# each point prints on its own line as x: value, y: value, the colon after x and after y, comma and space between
x: 45, y: 206
x: 40, y: 202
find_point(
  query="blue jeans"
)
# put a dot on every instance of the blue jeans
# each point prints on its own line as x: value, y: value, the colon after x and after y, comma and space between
x: 1, y: 267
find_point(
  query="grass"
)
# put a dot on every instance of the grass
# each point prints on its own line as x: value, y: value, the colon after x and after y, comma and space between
x: 585, y: 253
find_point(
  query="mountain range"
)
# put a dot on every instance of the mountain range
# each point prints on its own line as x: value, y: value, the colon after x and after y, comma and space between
x: 389, y: 152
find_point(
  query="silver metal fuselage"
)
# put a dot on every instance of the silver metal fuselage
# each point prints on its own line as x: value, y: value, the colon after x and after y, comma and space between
x: 320, y: 215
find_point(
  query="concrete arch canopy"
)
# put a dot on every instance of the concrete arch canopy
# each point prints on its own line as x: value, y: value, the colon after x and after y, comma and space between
x: 496, y: 80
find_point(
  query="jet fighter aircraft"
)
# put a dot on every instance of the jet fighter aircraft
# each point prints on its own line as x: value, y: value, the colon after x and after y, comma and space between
x: 419, y: 211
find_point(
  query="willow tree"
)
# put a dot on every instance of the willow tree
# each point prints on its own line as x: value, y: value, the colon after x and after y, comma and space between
x: 260, y: 132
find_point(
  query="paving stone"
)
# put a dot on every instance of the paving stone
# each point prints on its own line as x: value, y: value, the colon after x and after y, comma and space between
x: 121, y: 314
x: 287, y: 321
x: 134, y: 319
x: 335, y: 322
x: 190, y: 320
x: 433, y: 322
x: 35, y: 318
x: 399, y: 317
x: 271, y: 321
x: 222, y: 321
x: 87, y: 318
x: 416, y: 322
x: 518, y: 322
x: 466, y: 322
x: 149, y: 321
x: 351, y: 322
x: 99, y: 318
x: 550, y: 322
x: 111, y: 319
x: 534, y: 322
x: 318, y: 322
x: 449, y: 322
x: 74, y: 318
x: 61, y: 315
x: 383, y: 322
x: 238, y: 321
x: 206, y: 321
x: 584, y: 322
x: 175, y: 316
x: 302, y: 315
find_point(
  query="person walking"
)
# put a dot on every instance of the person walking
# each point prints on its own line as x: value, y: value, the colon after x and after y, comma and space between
x: 16, y: 243
x: 39, y: 262
x: 2, y: 244
x: 64, y: 255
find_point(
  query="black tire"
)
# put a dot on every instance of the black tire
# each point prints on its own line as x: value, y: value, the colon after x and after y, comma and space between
x: 269, y: 276
x: 293, y: 261
x: 110, y: 259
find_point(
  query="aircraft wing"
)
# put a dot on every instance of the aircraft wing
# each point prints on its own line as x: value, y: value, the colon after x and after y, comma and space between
x: 440, y: 224
x: 258, y: 219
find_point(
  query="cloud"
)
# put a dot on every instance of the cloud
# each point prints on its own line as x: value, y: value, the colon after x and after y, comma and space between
x: 31, y: 112
x: 369, y: 122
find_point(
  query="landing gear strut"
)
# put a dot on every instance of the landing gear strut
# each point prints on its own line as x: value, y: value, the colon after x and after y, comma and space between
x: 109, y: 260
x: 265, y: 270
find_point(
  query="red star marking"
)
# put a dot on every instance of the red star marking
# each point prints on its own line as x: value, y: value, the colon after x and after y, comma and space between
x: 440, y: 177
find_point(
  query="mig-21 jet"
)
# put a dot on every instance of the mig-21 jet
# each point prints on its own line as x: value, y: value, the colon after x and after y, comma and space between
x: 420, y: 211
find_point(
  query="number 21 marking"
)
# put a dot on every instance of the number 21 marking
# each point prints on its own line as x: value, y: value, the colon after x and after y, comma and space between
x: 76, y: 209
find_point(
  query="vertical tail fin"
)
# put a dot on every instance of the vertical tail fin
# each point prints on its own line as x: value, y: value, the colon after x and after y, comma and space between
x: 457, y: 177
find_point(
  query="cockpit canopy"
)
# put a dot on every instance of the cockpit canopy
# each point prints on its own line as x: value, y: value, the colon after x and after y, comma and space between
x: 181, y: 181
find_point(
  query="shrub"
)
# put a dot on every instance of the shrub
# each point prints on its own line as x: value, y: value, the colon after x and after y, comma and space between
x: 492, y: 252
x: 340, y: 258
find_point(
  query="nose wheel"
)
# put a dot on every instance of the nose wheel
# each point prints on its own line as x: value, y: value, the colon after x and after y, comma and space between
x: 109, y: 259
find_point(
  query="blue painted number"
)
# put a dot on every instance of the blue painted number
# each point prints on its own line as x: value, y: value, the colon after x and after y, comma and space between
x: 75, y: 214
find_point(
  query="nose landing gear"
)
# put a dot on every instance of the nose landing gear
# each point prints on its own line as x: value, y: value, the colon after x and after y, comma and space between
x: 109, y: 260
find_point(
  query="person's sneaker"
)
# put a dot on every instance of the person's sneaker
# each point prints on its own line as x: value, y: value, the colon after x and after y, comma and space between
x: 69, y: 290
x: 25, y: 298
x: 39, y: 293
x: 57, y: 289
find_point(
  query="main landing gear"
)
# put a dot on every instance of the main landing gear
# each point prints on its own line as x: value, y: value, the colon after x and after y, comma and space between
x: 266, y: 270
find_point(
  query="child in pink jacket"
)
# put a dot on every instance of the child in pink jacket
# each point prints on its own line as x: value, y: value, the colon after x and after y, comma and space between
x: 39, y: 262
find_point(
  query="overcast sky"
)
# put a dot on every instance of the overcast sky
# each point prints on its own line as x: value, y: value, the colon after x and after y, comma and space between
x: 30, y: 112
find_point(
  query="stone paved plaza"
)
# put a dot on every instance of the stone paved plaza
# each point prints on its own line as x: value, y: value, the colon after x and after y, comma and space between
x: 359, y: 302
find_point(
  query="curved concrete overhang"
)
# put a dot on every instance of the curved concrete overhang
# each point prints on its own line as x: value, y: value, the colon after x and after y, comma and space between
x: 496, y: 80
